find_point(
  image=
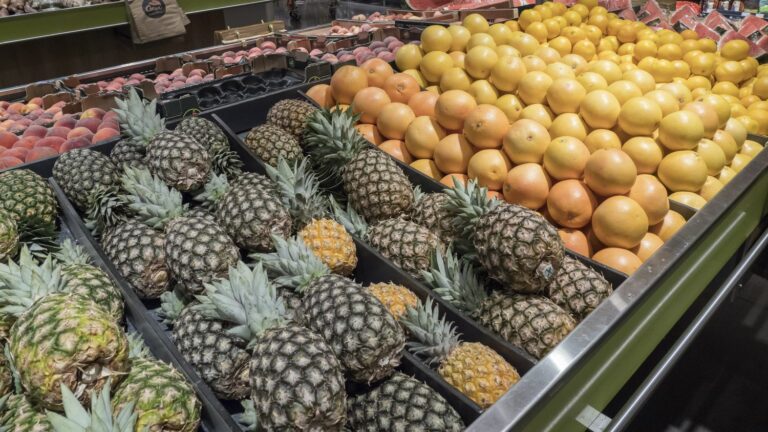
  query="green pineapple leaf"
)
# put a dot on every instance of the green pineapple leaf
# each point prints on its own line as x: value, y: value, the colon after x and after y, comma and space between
x: 455, y: 281
x: 72, y: 253
x: 352, y: 221
x: 139, y: 119
x: 105, y: 209
x: 225, y: 162
x: 466, y: 205
x: 435, y: 337
x: 15, y: 377
x: 99, y: 419
x: 171, y: 305
x: 299, y: 190
x: 136, y: 347
x: 24, y: 283
x: 248, y: 419
x: 213, y: 191
x: 292, y: 264
x: 154, y: 202
x: 331, y: 141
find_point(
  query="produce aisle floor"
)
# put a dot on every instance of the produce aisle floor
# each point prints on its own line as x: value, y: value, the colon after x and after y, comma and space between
x: 721, y: 383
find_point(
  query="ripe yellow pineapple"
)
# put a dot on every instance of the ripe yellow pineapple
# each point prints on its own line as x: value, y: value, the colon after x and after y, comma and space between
x: 395, y: 297
x: 330, y: 242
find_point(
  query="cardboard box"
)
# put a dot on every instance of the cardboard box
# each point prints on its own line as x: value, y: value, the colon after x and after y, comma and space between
x: 717, y: 22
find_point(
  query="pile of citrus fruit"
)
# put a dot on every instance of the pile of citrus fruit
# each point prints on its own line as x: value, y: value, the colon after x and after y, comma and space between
x: 595, y: 121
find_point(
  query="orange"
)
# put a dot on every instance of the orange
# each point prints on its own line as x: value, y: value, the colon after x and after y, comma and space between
x: 452, y: 153
x: 565, y: 95
x: 645, y: 152
x: 397, y: 150
x: 459, y: 37
x: 452, y: 107
x: 624, y: 90
x: 450, y: 179
x: 408, y: 57
x: 740, y: 161
x: 683, y: 170
x: 507, y: 73
x: 600, y: 109
x: 681, y: 130
x: 538, y: 113
x: 479, y: 61
x: 490, y: 168
x: 527, y: 185
x: 368, y: 102
x: 711, y: 187
x: 484, y: 92
x: 592, y: 81
x: 511, y: 106
x: 434, y: 64
x: 720, y: 105
x: 401, y: 87
x: 668, y: 226
x: 370, y: 133
x: 712, y: 155
x: 735, y: 49
x: 726, y: 143
x: 455, y: 78
x: 575, y: 240
x: 436, y: 38
x: 641, y: 78
x: 565, y: 158
x: 346, y: 82
x: 423, y: 136
x: 568, y: 124
x: 322, y: 95
x: 526, y: 141
x: 706, y: 114
x: 648, y: 246
x: 570, y: 203
x: 423, y: 103
x: 640, y: 116
x: 619, y: 221
x: 394, y: 119
x: 475, y: 23
x: 618, y: 259
x: 485, y: 126
x: 602, y: 139
x: 532, y: 88
x: 688, y: 198
x: 610, y: 172
x: 427, y: 167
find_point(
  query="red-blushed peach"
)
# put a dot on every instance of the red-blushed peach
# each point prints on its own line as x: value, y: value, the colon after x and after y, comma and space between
x: 24, y: 121
x: 200, y: 72
x: 35, y: 130
x: 7, y: 139
x: 119, y: 80
x: 37, y: 101
x: 109, y: 116
x: 90, y: 123
x: 73, y: 144
x: 17, y: 128
x: 38, y: 153
x: 16, y: 108
x: 109, y: 125
x: 52, y: 142
x: 4, y: 104
x: 19, y: 152
x: 66, y: 121
x: 24, y: 143
x: 104, y: 135
x: 80, y: 132
x: 9, y: 161
x: 93, y: 113
x: 102, y: 83
x: 268, y: 45
x: 53, y: 110
x: 58, y: 131
x: 6, y: 124
x: 137, y: 76
x: 58, y: 115
x: 196, y: 79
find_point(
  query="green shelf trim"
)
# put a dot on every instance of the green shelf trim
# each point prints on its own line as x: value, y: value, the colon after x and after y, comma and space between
x: 609, y: 367
x: 18, y: 28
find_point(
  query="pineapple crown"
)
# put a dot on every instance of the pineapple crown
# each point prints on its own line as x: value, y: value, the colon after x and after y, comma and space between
x: 225, y: 161
x: 100, y: 419
x: 455, y: 281
x: 213, y: 191
x: 24, y: 283
x: 136, y: 347
x: 292, y: 264
x: 105, y: 209
x: 150, y: 198
x: 299, y: 190
x: 352, y: 221
x: 171, y: 305
x: 249, y: 418
x: 71, y: 253
x: 15, y: 377
x: 139, y: 118
x: 418, y: 195
x: 435, y: 337
x: 331, y: 140
x: 247, y: 299
x: 466, y: 205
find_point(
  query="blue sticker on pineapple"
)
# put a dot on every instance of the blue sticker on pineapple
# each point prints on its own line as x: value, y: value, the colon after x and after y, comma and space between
x: 153, y: 8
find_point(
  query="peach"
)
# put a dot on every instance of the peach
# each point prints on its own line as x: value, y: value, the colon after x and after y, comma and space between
x: 58, y: 131
x: 7, y: 139
x: 28, y: 143
x: 110, y: 115
x: 53, y: 142
x: 137, y: 76
x: 119, y: 80
x: 35, y: 130
x: 198, y: 72
x: 162, y: 76
x: 17, y: 128
x: 268, y: 45
x: 38, y: 153
x: 228, y: 54
x: 53, y: 110
x: 73, y: 144
x: 80, y: 132
x: 109, y: 124
x: 196, y: 79
x: 93, y: 113
x: 90, y: 123
x: 9, y: 162
x: 66, y: 121
x: 16, y: 108
x: 102, y: 83
x: 4, y: 104
x: 19, y: 152
x: 58, y: 115
x: 104, y: 135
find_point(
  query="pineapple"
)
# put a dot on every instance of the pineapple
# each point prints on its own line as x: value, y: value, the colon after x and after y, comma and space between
x: 396, y: 298
x: 474, y: 369
x: 129, y: 152
x: 578, y: 288
x: 28, y: 198
x: 269, y: 142
x: 515, y: 245
x: 531, y: 322
x: 138, y: 253
x: 163, y: 398
x: 408, y: 245
x: 430, y: 211
x: 9, y: 236
x: 332, y: 244
x: 17, y: 414
x: 180, y: 161
x: 204, y: 132
x: 101, y: 418
x: 80, y: 171
x: 296, y: 380
x: 58, y: 336
x: 373, y: 183
x: 6, y: 376
x: 365, y: 337
x: 402, y: 403
x: 220, y: 358
x: 291, y: 115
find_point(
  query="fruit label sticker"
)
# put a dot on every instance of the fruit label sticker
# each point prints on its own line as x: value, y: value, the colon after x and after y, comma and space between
x: 153, y: 8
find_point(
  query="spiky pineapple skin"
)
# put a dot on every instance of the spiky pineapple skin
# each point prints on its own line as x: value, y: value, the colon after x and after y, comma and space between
x: 332, y: 244
x: 64, y: 338
x: 129, y: 153
x: 270, y: 143
x: 251, y: 214
x: 365, y: 337
x: 197, y: 251
x: 204, y: 132
x: 376, y: 187
x: 296, y: 364
x: 396, y: 298
x: 9, y: 236
x: 6, y: 378
x: 20, y: 416
x: 138, y: 252
x: 164, y: 400
x: 79, y: 171
x: 402, y: 404
x: 92, y: 282
x: 28, y: 198
x: 518, y: 247
x: 430, y: 212
x: 478, y: 372
x: 219, y: 358
x: 291, y: 115
x: 578, y: 289
x: 531, y: 322
x: 407, y: 244
x: 180, y: 161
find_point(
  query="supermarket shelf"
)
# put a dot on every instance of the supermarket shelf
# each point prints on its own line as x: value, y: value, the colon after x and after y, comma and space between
x: 18, y: 28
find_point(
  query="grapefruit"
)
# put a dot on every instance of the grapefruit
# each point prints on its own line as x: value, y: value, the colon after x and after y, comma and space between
x: 394, y: 119
x: 436, y: 38
x: 712, y: 155
x: 651, y: 195
x: 666, y: 101
x: 346, y: 82
x: 620, y: 221
x: 490, y: 168
x: 706, y: 114
x: 485, y: 126
x: 641, y: 78
x: 602, y: 139
x: 711, y: 187
x: 459, y: 37
x: 377, y: 70
x: 737, y: 131
x: 427, y: 167
x: 565, y: 95
x: 397, y: 150
x: 726, y: 175
x: 368, y: 102
x: 570, y: 203
x: 566, y: 158
x: 648, y: 246
x: 484, y: 92
x: 532, y: 88
x: 690, y: 199
x: 592, y: 81
x: 434, y: 64
x: 322, y: 95
x: 538, y: 113
x: 683, y: 171
x: 575, y: 240
x: 681, y: 130
x: 453, y: 107
x: 600, y: 109
x: 400, y: 87
x: 507, y: 73
x: 422, y: 137
x: 618, y: 259
x: 511, y: 106
x: 408, y: 57
x: 727, y: 143
x: 610, y: 172
x: 370, y: 133
x: 423, y: 103
x: 624, y: 90
x: 751, y: 148
x: 720, y: 105
x: 526, y: 141
x: 645, y: 152
x: 455, y: 78
x: 476, y: 23
x: 640, y: 116
x: 740, y: 161
x: 452, y: 153
x: 568, y: 124
x: 668, y: 226
x: 527, y: 185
